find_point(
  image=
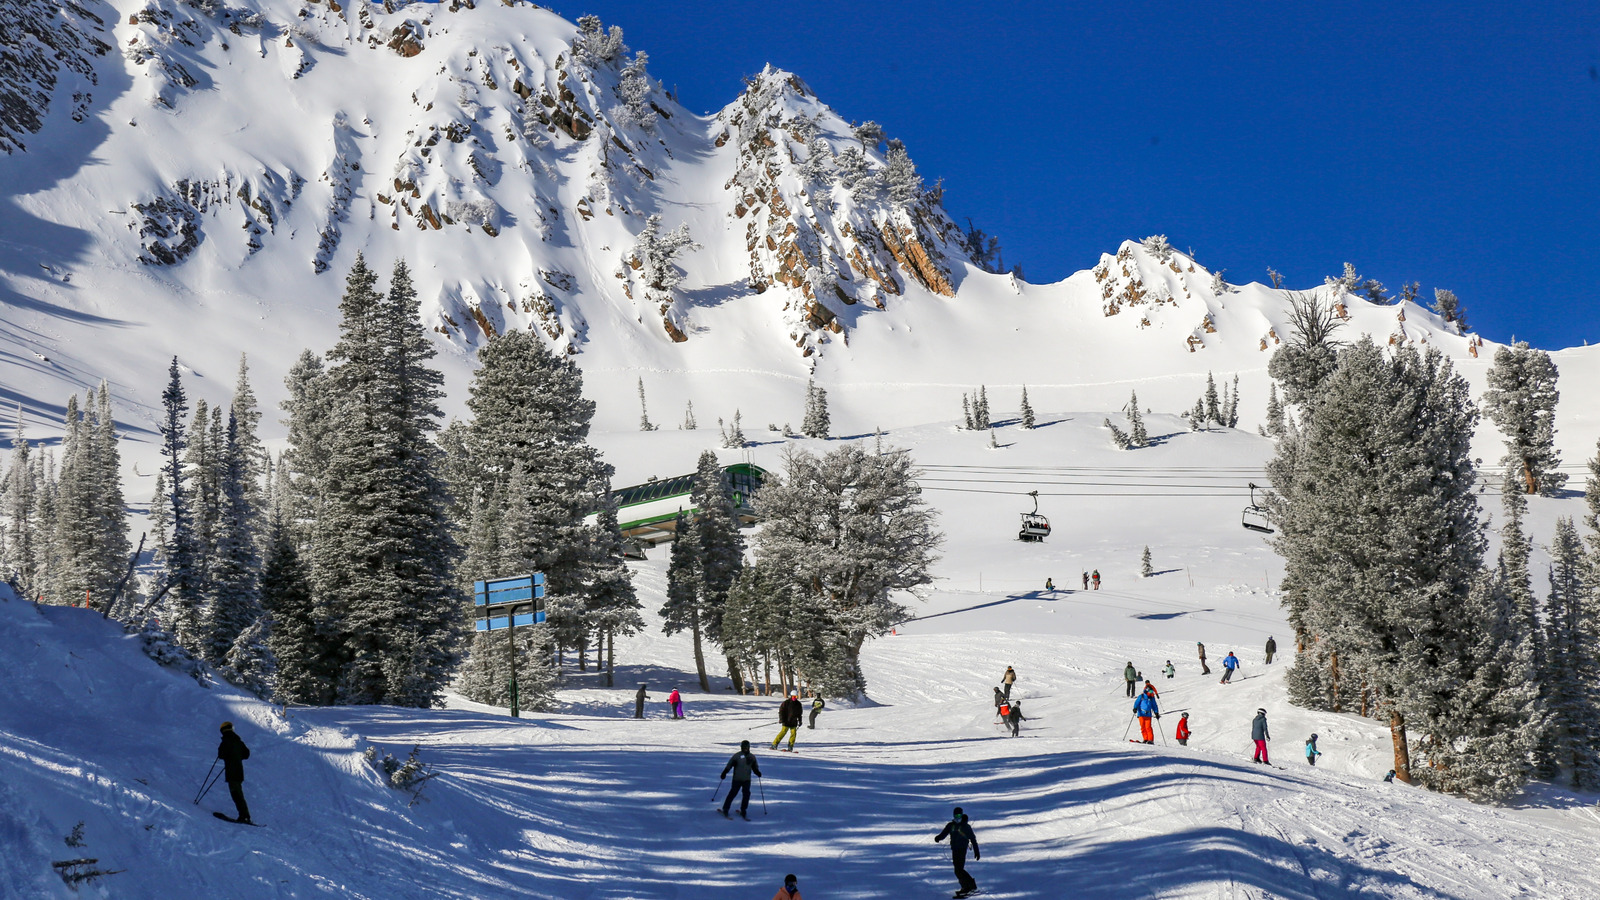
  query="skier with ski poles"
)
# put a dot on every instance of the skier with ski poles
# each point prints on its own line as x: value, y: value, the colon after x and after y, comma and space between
x: 1311, y: 750
x: 1144, y: 708
x: 1009, y: 679
x: 1204, y: 669
x: 960, y: 833
x: 789, y: 721
x: 1229, y: 663
x: 1259, y: 734
x: 1168, y: 670
x: 233, y: 752
x: 675, y: 700
x: 638, y: 702
x: 1131, y: 676
x: 743, y: 765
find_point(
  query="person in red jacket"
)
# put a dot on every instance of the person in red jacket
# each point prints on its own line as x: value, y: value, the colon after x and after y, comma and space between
x: 790, y: 889
x: 1183, y: 731
x: 676, y: 700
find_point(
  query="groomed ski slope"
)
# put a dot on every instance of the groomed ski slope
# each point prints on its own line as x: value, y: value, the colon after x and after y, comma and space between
x: 590, y: 803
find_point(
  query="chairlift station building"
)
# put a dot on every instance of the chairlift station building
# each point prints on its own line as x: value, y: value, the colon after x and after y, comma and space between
x: 649, y: 512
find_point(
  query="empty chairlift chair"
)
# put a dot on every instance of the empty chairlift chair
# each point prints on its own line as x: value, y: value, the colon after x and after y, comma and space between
x: 1034, y: 526
x: 1255, y: 517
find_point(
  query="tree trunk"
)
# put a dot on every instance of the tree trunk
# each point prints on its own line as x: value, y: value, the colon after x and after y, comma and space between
x: 1364, y: 698
x: 583, y: 654
x: 766, y: 676
x: 734, y: 676
x: 700, y: 656
x: 1527, y: 477
x: 611, y: 657
x: 1402, y: 751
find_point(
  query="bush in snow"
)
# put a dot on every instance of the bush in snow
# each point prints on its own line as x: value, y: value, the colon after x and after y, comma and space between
x: 594, y: 46
x: 1219, y: 285
x: 1449, y: 308
x: 408, y: 775
x: 1157, y: 246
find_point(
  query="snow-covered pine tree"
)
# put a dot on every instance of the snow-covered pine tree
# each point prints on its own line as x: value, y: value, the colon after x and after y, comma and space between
x: 528, y: 410
x: 1138, y: 435
x: 1145, y: 569
x: 849, y: 530
x: 1025, y: 409
x: 18, y: 499
x: 689, y: 424
x: 816, y: 423
x: 980, y: 408
x: 994, y: 441
x: 1274, y: 426
x: 720, y: 554
x: 1516, y: 546
x: 593, y: 46
x: 1196, y: 416
x: 305, y: 652
x: 1374, y: 599
x: 1231, y: 414
x: 1118, y: 437
x: 1572, y: 661
x: 682, y: 611
x: 733, y: 437
x: 253, y: 456
x: 1521, y: 401
x: 1219, y: 285
x: 1449, y: 308
x: 966, y: 413
x: 613, y: 606
x: 382, y: 552
x: 1310, y: 353
x: 72, y: 530
x: 633, y: 89
x: 654, y: 256
x: 309, y: 409
x: 900, y: 176
x: 1156, y: 245
x: 181, y: 581
x: 644, y: 411
x: 201, y: 461
x: 1213, y: 408
x: 235, y: 601
x: 817, y: 169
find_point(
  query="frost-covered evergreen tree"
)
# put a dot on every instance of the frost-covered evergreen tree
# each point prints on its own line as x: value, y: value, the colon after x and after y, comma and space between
x: 235, y: 597
x: 689, y: 424
x: 1449, y: 308
x: 18, y: 502
x: 382, y: 552
x: 181, y: 581
x: 900, y: 176
x: 594, y: 46
x: 529, y: 412
x: 1213, y: 410
x: 654, y: 256
x: 966, y: 413
x: 1025, y: 409
x: 1572, y: 661
x: 305, y: 652
x: 309, y: 410
x: 486, y: 677
x: 1230, y: 412
x: 1521, y: 401
x: 89, y: 533
x: 817, y: 169
x: 1309, y: 355
x: 720, y: 553
x: 1516, y: 547
x: 849, y: 530
x: 1274, y: 426
x: 816, y: 422
x: 1138, y: 436
x: 1219, y: 285
x: 1145, y: 568
x: 733, y: 436
x: 1380, y: 534
x: 633, y: 89
x: 1156, y: 245
x: 1119, y: 438
x: 644, y: 411
x: 613, y: 607
x: 980, y: 408
x: 683, y: 611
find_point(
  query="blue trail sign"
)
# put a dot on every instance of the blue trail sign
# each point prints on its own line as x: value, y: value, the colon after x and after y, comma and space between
x: 503, y: 602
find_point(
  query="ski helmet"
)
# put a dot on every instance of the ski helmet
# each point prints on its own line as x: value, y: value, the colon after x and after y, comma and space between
x: 744, y: 745
x: 958, y: 813
x: 1261, y: 712
x: 790, y: 881
x: 227, y: 726
x: 1313, y: 737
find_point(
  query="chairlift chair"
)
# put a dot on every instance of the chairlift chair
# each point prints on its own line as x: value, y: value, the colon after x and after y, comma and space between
x: 1035, y: 527
x: 1255, y: 517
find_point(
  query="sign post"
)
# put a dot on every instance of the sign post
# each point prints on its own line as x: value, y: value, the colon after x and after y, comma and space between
x: 507, y: 603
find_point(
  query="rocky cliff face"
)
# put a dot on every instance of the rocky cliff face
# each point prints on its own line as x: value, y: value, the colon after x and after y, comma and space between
x: 48, y: 51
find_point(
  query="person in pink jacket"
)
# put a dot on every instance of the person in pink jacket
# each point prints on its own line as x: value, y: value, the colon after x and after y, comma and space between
x: 790, y: 889
x: 677, y: 703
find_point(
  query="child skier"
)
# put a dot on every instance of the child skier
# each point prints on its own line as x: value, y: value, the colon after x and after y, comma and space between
x: 1096, y: 579
x: 1169, y: 670
x: 1311, y: 750
x: 1183, y: 731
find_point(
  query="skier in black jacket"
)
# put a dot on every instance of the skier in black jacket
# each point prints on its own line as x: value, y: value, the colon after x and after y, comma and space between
x: 789, y: 714
x: 233, y: 753
x: 959, y: 831
x: 743, y: 764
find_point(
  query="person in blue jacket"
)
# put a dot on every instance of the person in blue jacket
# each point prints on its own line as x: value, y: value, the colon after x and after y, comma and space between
x: 1144, y: 708
x: 1229, y: 663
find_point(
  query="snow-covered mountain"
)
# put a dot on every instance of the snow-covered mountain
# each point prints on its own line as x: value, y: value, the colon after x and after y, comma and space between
x: 193, y: 177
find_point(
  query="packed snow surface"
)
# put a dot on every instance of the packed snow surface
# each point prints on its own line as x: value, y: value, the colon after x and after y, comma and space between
x: 587, y: 802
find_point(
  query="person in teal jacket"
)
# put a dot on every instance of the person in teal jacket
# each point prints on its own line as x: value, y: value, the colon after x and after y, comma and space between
x: 1311, y: 750
x: 1144, y: 708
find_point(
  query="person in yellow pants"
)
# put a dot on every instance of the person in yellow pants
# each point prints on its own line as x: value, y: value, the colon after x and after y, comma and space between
x: 789, y: 717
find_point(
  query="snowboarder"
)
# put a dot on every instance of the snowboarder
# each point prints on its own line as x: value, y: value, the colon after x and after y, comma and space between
x: 790, y: 889
x: 1130, y: 675
x: 1096, y: 579
x: 1009, y: 680
x: 1229, y: 663
x: 638, y: 702
x: 1049, y: 584
x: 1183, y: 731
x: 817, y: 703
x: 789, y: 720
x: 1272, y: 647
x: 676, y: 701
x: 1259, y: 734
x: 960, y: 833
x: 1144, y: 708
x: 1086, y: 581
x: 1014, y: 717
x: 1204, y: 669
x: 1168, y: 670
x: 233, y: 753
x: 743, y: 764
x: 1311, y: 750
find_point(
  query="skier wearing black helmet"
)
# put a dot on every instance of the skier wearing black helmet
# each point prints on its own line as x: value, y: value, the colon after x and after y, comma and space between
x: 959, y: 831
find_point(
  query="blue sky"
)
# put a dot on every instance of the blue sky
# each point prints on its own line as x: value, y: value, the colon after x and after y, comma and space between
x: 1456, y: 145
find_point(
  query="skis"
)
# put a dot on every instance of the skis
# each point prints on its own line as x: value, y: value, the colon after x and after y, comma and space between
x: 236, y: 821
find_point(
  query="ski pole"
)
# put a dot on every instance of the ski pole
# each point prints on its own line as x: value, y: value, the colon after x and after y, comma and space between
x: 1163, y: 732
x: 206, y: 783
x: 716, y: 792
x: 1128, y: 729
x: 763, y: 785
